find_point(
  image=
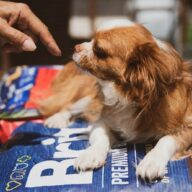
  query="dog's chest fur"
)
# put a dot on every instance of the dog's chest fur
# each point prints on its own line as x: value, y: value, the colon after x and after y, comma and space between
x: 121, y: 121
x: 118, y: 114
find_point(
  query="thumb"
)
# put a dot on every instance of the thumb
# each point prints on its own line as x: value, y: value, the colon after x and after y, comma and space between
x: 16, y: 37
x: 28, y: 45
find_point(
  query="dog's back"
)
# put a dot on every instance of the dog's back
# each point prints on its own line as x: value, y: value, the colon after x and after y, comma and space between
x: 70, y: 86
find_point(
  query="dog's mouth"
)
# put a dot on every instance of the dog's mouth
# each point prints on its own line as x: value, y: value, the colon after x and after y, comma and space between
x: 79, y: 63
x: 76, y: 58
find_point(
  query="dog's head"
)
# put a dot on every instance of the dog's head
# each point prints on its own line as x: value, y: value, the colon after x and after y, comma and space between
x: 125, y: 53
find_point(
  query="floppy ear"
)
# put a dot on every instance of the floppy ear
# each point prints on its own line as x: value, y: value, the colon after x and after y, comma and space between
x: 139, y: 74
x: 149, y: 72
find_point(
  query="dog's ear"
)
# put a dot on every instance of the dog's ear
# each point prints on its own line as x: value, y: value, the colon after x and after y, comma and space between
x: 149, y: 72
x: 139, y: 74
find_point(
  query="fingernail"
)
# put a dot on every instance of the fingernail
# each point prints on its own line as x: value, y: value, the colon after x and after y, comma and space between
x: 28, y: 45
x: 59, y: 53
x: 56, y: 51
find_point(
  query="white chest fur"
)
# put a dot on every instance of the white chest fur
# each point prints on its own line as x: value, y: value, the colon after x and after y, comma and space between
x: 119, y: 113
x: 110, y: 95
x: 123, y: 121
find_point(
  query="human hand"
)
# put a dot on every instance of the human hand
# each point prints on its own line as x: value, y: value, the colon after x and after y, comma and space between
x: 20, y: 28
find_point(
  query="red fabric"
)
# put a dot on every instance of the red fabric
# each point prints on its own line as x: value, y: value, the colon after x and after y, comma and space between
x: 40, y: 90
x: 7, y: 127
x: 42, y: 85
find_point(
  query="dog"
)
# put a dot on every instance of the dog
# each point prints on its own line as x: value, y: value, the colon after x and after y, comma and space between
x: 74, y: 95
x: 145, y: 94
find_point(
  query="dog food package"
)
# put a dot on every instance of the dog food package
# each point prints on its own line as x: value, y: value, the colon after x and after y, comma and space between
x: 21, y: 89
x: 39, y: 159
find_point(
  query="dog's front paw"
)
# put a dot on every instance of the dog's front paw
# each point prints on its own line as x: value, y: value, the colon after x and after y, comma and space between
x: 89, y: 159
x: 153, y: 166
x: 58, y: 120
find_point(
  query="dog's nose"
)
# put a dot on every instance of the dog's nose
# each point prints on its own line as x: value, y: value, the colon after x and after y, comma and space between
x: 78, y: 48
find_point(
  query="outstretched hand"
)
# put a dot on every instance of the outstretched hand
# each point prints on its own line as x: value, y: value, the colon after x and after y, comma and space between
x: 20, y: 28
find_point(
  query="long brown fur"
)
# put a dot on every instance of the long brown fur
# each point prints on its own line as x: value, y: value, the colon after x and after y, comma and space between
x: 157, y: 79
x: 70, y: 85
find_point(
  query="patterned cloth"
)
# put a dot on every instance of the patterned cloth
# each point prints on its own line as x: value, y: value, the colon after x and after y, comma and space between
x: 38, y: 159
x: 22, y: 87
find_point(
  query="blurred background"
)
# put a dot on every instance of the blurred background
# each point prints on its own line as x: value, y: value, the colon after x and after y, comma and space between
x: 75, y: 21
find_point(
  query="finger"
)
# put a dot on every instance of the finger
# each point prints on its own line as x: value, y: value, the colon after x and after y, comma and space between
x: 38, y: 28
x: 30, y: 34
x: 16, y: 37
x: 9, y: 48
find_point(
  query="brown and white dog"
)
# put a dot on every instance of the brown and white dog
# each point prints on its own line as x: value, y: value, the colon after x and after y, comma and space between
x: 74, y: 94
x: 146, y: 95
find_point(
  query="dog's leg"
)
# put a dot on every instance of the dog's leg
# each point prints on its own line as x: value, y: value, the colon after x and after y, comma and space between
x: 95, y: 155
x: 93, y: 111
x: 58, y: 120
x: 62, y: 118
x: 154, y: 163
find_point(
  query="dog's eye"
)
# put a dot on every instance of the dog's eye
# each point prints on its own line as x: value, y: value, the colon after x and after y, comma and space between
x: 100, y: 53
